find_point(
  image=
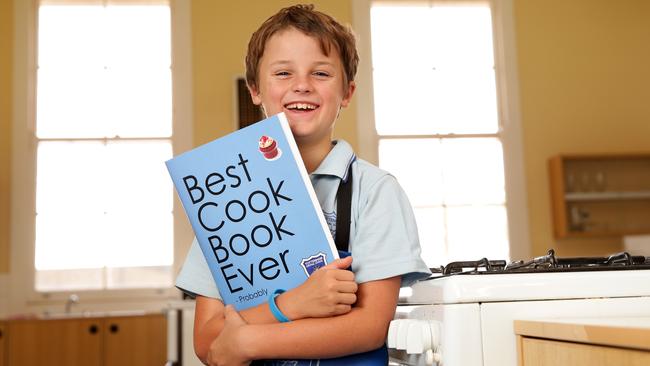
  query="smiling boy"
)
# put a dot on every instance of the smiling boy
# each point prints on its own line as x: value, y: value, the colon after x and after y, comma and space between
x: 302, y: 62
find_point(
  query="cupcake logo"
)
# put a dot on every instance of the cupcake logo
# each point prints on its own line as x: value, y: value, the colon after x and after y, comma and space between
x: 269, y: 148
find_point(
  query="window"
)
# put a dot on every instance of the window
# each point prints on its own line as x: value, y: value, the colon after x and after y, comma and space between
x: 438, y: 126
x: 103, y: 130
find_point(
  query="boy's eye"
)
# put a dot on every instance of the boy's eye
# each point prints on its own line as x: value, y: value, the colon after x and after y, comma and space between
x: 322, y: 74
x: 282, y: 73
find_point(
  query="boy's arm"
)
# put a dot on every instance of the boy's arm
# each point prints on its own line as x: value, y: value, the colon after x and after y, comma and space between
x: 360, y: 330
x: 329, y: 291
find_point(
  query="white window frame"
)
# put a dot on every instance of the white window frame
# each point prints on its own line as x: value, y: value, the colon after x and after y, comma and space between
x: 509, y: 115
x: 23, y: 296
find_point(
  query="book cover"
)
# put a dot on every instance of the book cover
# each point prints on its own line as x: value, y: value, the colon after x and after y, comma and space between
x: 254, y: 212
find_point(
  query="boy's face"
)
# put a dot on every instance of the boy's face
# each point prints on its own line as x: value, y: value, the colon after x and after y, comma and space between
x: 296, y: 78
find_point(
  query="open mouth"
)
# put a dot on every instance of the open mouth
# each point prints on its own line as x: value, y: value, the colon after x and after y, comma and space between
x: 301, y: 107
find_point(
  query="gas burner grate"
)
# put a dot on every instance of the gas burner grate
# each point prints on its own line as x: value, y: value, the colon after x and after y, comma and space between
x: 551, y: 261
x: 482, y: 265
x: 547, y: 263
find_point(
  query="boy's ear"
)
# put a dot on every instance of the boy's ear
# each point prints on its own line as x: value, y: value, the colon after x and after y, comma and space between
x: 255, y: 95
x: 348, y: 94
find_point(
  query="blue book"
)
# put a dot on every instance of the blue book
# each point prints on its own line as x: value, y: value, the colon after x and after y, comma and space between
x: 254, y: 212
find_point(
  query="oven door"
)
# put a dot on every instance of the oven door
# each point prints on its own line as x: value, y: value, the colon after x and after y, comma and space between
x: 435, y: 335
x: 401, y: 358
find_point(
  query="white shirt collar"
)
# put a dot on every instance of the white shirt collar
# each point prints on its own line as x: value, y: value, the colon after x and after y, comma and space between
x: 338, y: 161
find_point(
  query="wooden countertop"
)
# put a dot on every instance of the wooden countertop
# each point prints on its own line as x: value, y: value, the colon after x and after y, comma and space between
x: 627, y: 332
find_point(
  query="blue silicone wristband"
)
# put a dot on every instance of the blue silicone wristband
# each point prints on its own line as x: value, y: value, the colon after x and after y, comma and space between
x: 274, y: 308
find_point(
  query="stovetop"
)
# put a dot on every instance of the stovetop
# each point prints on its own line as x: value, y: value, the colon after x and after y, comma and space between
x: 547, y: 263
x: 542, y: 278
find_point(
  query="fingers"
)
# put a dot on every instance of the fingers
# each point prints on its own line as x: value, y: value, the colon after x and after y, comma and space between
x: 347, y: 299
x: 347, y: 287
x: 341, y: 309
x: 342, y: 263
x: 329, y: 291
x: 343, y: 293
x: 333, y: 277
x: 341, y: 275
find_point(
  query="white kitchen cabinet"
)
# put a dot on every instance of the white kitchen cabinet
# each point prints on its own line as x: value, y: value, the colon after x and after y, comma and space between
x: 124, y: 341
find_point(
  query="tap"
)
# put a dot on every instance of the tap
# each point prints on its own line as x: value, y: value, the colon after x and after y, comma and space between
x: 72, y: 299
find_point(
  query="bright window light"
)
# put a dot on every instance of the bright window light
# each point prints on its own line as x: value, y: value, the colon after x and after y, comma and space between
x: 437, y: 120
x: 104, y: 125
x: 429, y: 64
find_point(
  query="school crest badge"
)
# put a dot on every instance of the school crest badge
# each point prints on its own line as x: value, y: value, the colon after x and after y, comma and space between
x: 312, y: 263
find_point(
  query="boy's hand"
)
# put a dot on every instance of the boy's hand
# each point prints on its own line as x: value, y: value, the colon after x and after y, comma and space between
x: 329, y: 291
x: 226, y: 349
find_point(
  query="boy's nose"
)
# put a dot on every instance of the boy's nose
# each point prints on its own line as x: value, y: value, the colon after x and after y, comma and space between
x: 302, y: 85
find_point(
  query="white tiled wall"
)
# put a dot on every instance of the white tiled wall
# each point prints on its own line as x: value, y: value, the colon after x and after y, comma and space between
x: 637, y: 244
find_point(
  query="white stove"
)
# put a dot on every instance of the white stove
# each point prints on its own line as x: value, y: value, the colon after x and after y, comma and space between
x: 463, y: 315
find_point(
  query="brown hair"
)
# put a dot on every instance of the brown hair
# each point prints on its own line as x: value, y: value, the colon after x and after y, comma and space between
x: 313, y: 23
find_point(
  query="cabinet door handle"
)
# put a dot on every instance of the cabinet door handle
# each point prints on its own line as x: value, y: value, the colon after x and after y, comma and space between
x: 93, y: 329
x: 114, y: 328
x: 0, y: 333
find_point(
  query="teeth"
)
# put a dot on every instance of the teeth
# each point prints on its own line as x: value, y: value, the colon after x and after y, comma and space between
x: 302, y: 106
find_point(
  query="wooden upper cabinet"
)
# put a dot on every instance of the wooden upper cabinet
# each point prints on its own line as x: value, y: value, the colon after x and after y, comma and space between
x: 134, y: 341
x: 600, y: 195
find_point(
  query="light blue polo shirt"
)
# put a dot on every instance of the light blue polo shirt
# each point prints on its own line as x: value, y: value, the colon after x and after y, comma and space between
x: 383, y: 234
